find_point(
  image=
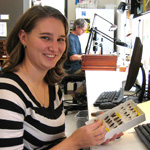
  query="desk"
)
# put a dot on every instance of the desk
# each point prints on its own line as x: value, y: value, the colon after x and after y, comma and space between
x: 99, y: 81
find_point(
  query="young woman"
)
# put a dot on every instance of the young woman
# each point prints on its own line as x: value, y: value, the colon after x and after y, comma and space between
x: 31, y: 109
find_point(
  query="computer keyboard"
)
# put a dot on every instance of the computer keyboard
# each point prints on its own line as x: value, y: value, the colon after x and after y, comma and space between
x: 109, y: 99
x: 143, y: 131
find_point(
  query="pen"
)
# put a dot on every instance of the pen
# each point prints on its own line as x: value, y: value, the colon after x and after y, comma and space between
x: 94, y: 114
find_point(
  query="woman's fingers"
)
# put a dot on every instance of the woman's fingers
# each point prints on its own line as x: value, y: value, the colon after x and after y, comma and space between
x: 95, y: 125
x: 100, y: 130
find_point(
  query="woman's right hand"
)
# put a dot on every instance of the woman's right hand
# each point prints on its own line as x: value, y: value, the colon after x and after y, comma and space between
x: 89, y: 135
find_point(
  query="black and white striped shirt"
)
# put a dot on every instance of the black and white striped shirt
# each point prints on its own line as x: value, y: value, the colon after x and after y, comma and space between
x: 24, y: 123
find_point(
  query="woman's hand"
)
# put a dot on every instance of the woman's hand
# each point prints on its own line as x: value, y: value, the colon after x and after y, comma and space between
x: 86, y: 136
x: 89, y: 135
x: 116, y: 136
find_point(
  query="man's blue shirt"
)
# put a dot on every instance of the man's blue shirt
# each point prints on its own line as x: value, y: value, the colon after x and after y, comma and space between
x: 74, y: 48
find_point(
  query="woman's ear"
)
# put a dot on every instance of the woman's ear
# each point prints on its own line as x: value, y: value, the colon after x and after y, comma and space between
x: 22, y: 37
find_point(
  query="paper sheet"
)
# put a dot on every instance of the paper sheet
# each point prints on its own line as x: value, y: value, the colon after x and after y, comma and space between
x: 3, y: 29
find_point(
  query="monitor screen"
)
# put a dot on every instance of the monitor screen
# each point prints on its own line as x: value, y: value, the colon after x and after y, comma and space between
x: 134, y: 67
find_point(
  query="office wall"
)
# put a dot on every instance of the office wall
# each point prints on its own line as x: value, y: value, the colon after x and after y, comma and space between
x: 101, y: 4
x: 59, y: 4
x: 17, y: 7
x: 140, y: 27
x: 14, y: 8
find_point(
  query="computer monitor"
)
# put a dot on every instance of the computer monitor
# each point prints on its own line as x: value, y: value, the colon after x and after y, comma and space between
x: 134, y: 67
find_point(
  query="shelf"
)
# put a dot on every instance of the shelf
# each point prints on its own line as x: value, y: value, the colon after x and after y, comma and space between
x: 144, y: 15
x: 99, y: 62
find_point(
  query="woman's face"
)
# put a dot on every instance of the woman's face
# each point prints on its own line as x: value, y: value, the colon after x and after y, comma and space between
x: 45, y: 44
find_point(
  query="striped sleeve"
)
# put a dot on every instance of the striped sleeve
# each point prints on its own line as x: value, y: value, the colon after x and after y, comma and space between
x: 24, y: 123
x: 11, y: 116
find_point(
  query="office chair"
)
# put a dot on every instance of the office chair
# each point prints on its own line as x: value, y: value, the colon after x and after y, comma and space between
x: 78, y: 103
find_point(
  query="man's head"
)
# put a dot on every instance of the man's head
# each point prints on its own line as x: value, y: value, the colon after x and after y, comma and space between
x: 79, y: 26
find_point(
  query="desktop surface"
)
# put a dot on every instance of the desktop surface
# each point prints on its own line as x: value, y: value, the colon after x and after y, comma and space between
x: 129, y: 141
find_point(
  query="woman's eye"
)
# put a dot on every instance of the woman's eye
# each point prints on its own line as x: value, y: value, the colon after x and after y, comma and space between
x: 45, y: 37
x: 61, y: 39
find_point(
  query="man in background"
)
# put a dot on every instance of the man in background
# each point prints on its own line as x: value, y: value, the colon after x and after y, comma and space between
x: 73, y: 62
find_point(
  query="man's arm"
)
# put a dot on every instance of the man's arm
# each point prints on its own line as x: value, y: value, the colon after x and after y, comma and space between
x: 75, y: 57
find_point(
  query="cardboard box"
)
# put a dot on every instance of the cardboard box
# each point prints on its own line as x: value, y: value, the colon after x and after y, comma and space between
x: 120, y: 118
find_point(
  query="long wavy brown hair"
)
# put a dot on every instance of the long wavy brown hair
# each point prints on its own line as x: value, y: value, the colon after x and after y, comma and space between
x: 16, y: 50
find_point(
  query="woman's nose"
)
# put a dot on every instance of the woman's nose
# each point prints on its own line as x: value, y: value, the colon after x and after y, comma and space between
x: 53, y: 46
